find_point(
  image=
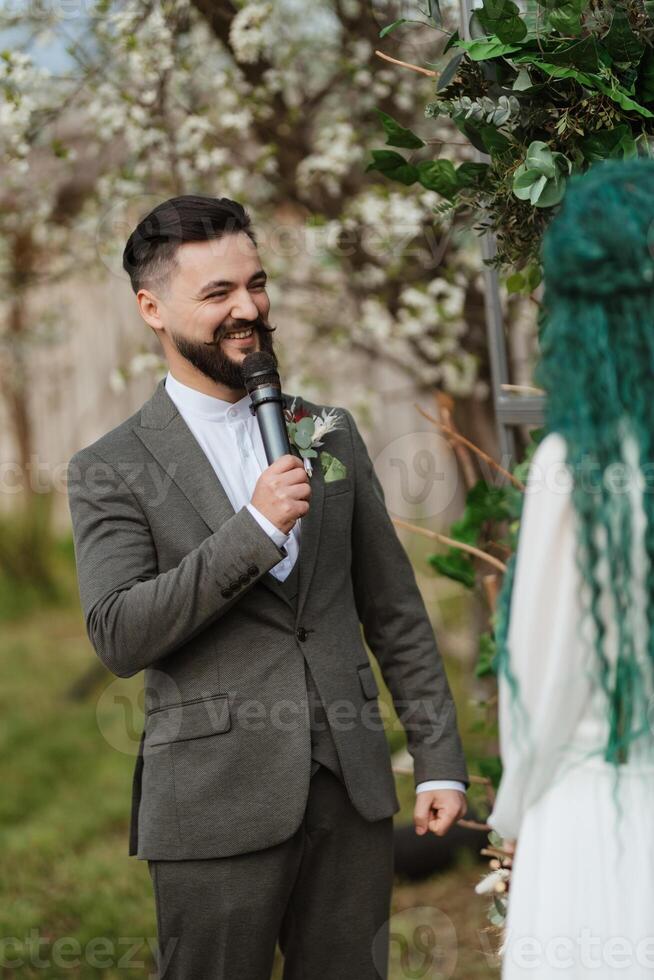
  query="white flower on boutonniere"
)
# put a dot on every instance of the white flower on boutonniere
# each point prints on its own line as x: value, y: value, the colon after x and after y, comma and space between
x: 306, y: 432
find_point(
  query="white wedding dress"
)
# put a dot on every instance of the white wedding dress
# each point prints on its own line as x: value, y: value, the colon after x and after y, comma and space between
x: 581, y: 900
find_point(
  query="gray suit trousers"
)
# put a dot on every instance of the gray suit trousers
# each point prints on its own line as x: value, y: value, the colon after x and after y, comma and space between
x: 324, y: 894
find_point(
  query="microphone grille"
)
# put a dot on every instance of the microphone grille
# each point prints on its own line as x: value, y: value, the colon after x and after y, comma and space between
x: 259, y: 370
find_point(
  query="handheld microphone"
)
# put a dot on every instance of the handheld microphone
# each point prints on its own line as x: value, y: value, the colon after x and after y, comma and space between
x: 262, y: 383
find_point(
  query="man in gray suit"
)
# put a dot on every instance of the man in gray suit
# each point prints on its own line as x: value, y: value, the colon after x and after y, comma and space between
x: 263, y: 793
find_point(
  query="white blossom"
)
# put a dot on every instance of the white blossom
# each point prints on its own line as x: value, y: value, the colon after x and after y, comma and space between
x: 248, y: 32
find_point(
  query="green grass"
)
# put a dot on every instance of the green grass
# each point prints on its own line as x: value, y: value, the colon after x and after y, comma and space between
x: 64, y: 813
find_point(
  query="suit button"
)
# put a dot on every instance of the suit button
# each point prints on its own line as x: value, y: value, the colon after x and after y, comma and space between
x: 301, y: 633
x: 227, y: 593
x: 235, y: 585
x: 253, y: 570
x: 244, y: 579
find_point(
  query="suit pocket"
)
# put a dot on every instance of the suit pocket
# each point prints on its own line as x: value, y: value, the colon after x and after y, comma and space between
x: 338, y: 486
x: 189, y: 719
x: 368, y: 681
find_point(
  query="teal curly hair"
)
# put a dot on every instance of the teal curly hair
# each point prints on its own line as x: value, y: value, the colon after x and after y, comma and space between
x: 597, y: 369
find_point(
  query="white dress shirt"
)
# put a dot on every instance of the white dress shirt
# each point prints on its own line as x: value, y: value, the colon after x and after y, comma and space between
x: 229, y: 435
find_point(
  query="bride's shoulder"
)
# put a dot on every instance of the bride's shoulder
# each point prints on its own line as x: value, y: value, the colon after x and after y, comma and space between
x: 551, y: 449
x: 548, y: 470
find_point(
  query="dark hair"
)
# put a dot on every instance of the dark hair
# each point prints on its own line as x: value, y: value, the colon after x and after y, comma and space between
x: 149, y: 254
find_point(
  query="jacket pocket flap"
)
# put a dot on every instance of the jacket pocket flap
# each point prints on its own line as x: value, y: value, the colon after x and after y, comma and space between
x: 368, y: 681
x: 189, y: 719
x: 342, y: 485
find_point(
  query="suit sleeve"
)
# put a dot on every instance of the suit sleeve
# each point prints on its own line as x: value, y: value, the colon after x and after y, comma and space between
x: 398, y: 631
x: 135, y: 614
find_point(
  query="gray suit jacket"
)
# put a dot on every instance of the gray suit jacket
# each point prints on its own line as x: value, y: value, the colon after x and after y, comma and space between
x: 174, y: 582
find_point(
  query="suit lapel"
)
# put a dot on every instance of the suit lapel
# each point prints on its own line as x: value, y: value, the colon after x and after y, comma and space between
x: 166, y: 435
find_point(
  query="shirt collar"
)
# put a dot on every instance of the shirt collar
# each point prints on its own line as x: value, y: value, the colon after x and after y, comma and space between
x: 189, y: 400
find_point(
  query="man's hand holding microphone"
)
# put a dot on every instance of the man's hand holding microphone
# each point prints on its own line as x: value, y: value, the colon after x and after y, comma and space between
x: 283, y: 491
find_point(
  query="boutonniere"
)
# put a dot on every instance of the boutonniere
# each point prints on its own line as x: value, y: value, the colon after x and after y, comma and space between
x: 306, y: 432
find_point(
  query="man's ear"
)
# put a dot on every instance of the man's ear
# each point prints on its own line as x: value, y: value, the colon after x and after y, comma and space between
x: 150, y: 308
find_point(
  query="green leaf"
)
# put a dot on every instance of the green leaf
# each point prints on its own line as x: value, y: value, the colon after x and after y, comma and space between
x: 304, y: 433
x: 469, y: 174
x: 449, y: 72
x: 645, y: 80
x: 552, y: 193
x: 391, y: 27
x: 439, y: 176
x: 394, y: 166
x: 557, y: 71
x: 486, y: 657
x: 398, y: 135
x: 539, y: 179
x: 497, y: 914
x: 59, y: 148
x: 516, y: 283
x: 455, y: 565
x: 471, y: 132
x: 617, y: 142
x: 534, y: 276
x: 493, y: 140
x: 485, y: 502
x: 491, y: 768
x: 539, y: 157
x: 617, y: 94
x: 522, y: 81
x: 566, y: 18
x: 465, y: 530
x: 620, y: 41
x: 583, y: 55
x: 502, y: 18
x: 484, y: 50
x: 451, y: 41
x: 435, y: 12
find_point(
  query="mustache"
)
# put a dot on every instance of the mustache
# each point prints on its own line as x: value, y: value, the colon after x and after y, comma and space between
x: 258, y: 324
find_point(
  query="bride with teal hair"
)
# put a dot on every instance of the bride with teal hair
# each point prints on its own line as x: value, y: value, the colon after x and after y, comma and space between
x: 575, y: 619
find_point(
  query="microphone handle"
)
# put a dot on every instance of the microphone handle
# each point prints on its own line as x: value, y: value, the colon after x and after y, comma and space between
x: 266, y: 404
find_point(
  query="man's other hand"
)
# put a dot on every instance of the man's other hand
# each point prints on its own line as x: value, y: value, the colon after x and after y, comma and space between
x: 438, y: 809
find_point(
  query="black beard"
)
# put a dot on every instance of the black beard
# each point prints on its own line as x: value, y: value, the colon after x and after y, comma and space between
x: 214, y: 363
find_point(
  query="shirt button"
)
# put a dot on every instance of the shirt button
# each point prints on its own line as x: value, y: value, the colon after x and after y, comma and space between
x: 232, y: 413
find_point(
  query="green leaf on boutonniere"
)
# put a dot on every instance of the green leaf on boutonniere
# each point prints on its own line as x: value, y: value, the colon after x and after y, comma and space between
x: 304, y: 433
x: 332, y: 468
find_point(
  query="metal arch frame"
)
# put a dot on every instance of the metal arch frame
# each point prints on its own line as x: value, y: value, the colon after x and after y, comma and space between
x: 510, y: 410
